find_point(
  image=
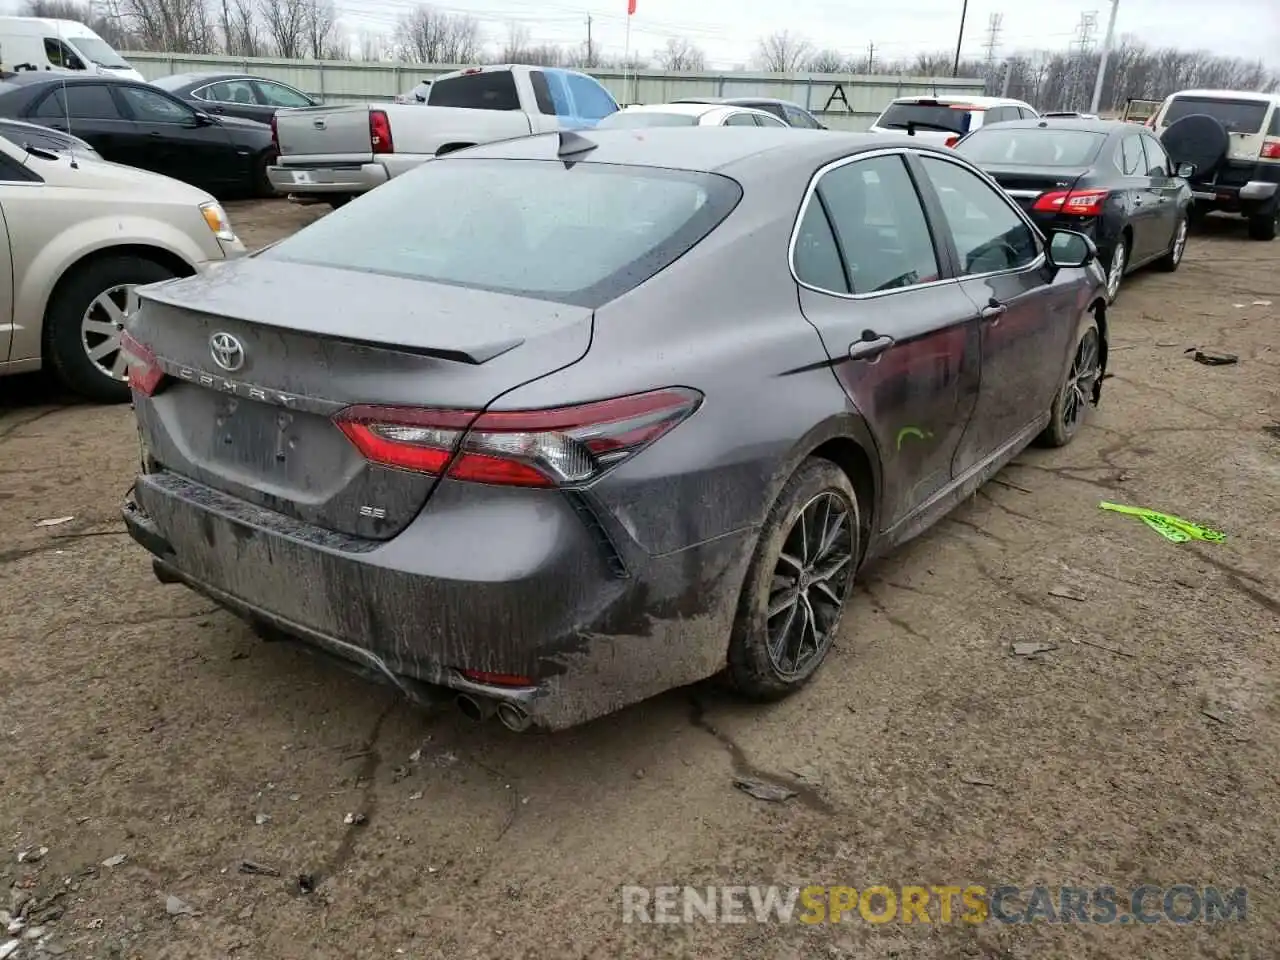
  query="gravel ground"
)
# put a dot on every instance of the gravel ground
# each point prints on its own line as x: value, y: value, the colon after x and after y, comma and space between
x: 137, y: 720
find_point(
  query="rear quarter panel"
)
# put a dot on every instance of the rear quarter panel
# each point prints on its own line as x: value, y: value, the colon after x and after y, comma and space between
x: 425, y: 129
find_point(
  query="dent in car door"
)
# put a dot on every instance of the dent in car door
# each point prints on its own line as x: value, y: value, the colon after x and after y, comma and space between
x: 902, y: 338
x: 1025, y: 319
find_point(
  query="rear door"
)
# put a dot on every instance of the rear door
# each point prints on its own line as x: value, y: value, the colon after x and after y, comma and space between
x: 902, y: 338
x: 1167, y: 187
x: 170, y: 140
x: 1026, y: 319
x: 90, y: 112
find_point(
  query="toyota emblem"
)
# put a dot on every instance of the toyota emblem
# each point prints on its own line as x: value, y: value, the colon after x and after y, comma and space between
x: 228, y: 352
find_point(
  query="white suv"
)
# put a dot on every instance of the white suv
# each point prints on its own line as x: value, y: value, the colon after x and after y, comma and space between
x: 946, y: 119
x: 1233, y: 139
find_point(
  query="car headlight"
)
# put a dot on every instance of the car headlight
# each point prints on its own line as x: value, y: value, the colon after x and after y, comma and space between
x: 217, y: 220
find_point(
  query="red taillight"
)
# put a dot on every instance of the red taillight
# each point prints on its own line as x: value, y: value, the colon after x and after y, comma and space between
x: 1271, y: 150
x: 144, y: 373
x: 952, y: 141
x: 275, y: 134
x: 498, y: 679
x: 380, y: 132
x: 564, y: 446
x: 1079, y: 203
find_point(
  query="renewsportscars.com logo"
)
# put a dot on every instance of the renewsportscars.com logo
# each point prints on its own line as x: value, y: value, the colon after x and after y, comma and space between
x: 935, y: 904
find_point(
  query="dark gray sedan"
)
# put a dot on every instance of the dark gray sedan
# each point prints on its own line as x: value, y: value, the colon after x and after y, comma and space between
x: 551, y: 425
x: 235, y: 94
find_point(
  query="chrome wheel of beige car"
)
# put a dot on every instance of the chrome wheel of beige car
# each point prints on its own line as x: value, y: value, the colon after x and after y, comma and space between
x: 101, y: 328
x: 83, y: 323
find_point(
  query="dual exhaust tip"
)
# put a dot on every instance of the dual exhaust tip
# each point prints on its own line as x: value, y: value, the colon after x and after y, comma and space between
x: 480, y: 709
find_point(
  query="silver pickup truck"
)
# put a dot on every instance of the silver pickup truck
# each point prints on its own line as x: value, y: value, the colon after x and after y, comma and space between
x: 332, y: 153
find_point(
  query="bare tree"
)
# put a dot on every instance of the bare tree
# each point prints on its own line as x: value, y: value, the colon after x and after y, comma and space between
x: 782, y: 52
x: 828, y: 61
x: 286, y: 23
x: 107, y: 27
x: 323, y: 41
x: 427, y: 35
x: 241, y: 29
x: 172, y: 26
x: 681, y: 55
x: 372, y: 47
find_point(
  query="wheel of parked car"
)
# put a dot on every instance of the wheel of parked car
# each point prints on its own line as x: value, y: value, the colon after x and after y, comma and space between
x: 84, y: 320
x: 261, y: 182
x: 1199, y: 139
x: 796, y: 587
x: 1117, y: 264
x: 1076, y: 394
x: 1265, y: 226
x: 1173, y: 259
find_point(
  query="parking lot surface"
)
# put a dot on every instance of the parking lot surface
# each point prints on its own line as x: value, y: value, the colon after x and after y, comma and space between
x: 1140, y: 746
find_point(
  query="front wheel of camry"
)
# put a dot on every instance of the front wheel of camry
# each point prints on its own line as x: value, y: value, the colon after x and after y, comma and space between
x: 798, y: 582
x: 1075, y: 394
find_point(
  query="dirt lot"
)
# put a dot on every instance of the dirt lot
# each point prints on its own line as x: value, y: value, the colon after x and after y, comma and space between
x: 136, y: 719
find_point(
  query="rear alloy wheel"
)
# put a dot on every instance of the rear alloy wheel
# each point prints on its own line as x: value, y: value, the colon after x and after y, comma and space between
x: 1075, y: 396
x: 1170, y: 261
x: 1115, y: 270
x: 1265, y: 227
x: 84, y: 322
x: 796, y: 587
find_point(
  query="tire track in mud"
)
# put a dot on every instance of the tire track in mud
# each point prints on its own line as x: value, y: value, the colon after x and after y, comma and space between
x: 13, y: 428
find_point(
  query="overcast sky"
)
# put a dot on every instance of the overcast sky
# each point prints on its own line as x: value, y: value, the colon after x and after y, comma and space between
x: 727, y: 30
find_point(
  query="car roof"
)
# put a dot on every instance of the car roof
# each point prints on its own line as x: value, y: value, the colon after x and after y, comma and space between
x: 722, y: 150
x: 1228, y: 95
x: 950, y: 98
x: 182, y: 79
x: 36, y: 78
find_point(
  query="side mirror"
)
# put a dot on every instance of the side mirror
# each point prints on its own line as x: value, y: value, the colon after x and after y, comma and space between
x: 1069, y: 249
x: 1186, y: 170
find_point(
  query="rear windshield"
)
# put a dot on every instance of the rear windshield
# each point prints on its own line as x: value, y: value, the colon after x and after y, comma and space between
x: 935, y: 116
x: 647, y: 118
x: 1238, y: 116
x: 580, y: 235
x: 488, y: 90
x: 1032, y: 148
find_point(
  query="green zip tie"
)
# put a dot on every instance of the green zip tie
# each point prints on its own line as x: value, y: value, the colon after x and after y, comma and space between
x: 1168, y: 526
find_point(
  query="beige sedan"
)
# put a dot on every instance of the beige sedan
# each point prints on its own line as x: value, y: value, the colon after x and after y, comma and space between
x: 76, y: 236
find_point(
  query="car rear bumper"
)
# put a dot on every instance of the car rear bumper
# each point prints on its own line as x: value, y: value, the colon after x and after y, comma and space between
x: 341, y: 178
x: 1241, y: 189
x: 533, y: 589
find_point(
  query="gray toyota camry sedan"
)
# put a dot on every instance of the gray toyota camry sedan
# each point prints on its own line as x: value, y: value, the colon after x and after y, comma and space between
x: 551, y: 425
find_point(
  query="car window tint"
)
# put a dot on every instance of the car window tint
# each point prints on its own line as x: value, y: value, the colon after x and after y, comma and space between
x: 798, y: 118
x: 1274, y: 129
x: 930, y: 115
x: 150, y: 106
x: 1130, y: 159
x: 1158, y: 164
x: 12, y: 170
x: 592, y: 101
x: 84, y: 101
x: 741, y: 120
x: 582, y: 234
x: 768, y: 120
x: 278, y: 95
x: 542, y: 93
x: 817, y: 258
x: 229, y: 91
x: 60, y: 55
x: 490, y: 90
x: 1238, y: 116
x: 988, y: 234
x: 879, y: 224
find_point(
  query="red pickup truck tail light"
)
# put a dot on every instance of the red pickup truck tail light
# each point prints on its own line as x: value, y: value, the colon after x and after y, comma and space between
x: 1271, y: 150
x: 380, y: 132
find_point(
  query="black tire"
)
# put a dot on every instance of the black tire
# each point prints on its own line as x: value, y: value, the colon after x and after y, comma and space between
x: 338, y: 200
x: 1199, y: 139
x: 1265, y: 226
x: 754, y: 670
x: 65, y: 348
x: 1076, y: 387
x: 1197, y: 215
x: 1173, y: 258
x: 262, y: 186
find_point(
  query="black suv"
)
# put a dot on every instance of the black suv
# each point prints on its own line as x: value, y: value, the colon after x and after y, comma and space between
x: 1233, y: 140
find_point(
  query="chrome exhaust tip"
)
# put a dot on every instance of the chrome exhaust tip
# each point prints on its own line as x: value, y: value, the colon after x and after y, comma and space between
x: 513, y: 718
x: 475, y: 709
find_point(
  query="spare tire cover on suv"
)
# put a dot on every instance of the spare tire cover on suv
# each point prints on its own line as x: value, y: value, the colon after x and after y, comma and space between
x: 1199, y: 139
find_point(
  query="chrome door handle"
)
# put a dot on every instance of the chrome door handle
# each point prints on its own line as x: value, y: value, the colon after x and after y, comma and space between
x: 994, y: 311
x: 869, y: 347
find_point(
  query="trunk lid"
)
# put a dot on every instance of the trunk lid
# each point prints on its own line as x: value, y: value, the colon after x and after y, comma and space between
x: 324, y: 132
x: 312, y: 341
x: 1026, y: 184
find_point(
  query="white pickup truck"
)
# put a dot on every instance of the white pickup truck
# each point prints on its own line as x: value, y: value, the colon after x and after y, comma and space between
x: 332, y: 153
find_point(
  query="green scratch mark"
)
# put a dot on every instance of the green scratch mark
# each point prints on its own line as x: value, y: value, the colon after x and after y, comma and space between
x: 912, y: 432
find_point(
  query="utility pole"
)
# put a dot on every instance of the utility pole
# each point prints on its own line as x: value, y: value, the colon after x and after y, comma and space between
x: 871, y: 57
x: 993, y: 41
x: 964, y: 15
x: 591, y: 50
x: 1106, y: 55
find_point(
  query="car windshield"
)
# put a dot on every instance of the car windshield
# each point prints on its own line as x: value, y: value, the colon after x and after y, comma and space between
x: 99, y: 52
x: 646, y: 118
x: 938, y: 116
x: 580, y: 234
x: 1238, y: 116
x: 1036, y: 147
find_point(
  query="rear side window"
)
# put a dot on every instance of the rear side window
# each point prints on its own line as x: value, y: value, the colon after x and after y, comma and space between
x: 542, y: 93
x: 1130, y: 158
x: 930, y: 116
x: 1274, y: 129
x: 531, y: 228
x: 1238, y: 116
x: 490, y: 90
x: 816, y: 256
x: 228, y: 91
x: 768, y: 120
x: 741, y: 120
x: 84, y: 101
x: 798, y: 118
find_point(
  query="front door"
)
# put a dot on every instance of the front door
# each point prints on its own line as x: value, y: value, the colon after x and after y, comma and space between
x: 1167, y: 187
x: 171, y: 140
x: 902, y: 336
x: 1145, y: 218
x: 1026, y: 318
